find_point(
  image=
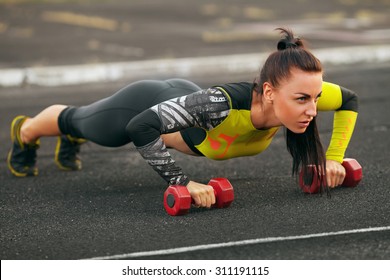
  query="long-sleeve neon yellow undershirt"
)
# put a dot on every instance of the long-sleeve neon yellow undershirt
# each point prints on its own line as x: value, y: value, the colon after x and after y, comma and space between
x: 333, y: 99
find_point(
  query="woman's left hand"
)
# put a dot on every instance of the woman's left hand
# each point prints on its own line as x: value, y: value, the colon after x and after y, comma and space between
x: 335, y: 173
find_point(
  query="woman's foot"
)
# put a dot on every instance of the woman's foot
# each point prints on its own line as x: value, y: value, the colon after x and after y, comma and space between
x: 21, y: 158
x: 67, y: 150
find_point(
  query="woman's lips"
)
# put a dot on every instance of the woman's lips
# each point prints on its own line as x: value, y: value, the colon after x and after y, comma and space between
x: 304, y: 124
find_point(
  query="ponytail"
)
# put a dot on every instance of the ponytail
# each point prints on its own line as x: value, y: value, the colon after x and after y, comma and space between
x: 305, y: 148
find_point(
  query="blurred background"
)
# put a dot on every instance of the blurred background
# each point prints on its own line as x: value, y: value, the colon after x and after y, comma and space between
x: 54, y: 32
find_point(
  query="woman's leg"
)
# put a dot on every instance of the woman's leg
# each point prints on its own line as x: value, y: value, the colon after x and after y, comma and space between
x: 103, y: 122
x: 43, y: 124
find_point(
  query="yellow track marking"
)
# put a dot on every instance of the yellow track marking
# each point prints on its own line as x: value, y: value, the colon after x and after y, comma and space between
x: 80, y: 20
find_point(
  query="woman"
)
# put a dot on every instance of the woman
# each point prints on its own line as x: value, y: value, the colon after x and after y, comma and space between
x: 222, y: 122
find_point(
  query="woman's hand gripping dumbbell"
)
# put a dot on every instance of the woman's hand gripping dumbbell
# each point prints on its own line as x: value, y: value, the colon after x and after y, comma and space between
x: 177, y: 199
x: 353, y: 175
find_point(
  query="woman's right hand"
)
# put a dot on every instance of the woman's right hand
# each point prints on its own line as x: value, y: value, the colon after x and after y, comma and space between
x: 203, y: 195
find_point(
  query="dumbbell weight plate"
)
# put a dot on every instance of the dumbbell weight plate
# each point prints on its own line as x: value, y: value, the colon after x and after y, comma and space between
x: 177, y: 200
x: 224, y: 192
x: 354, y: 172
x: 313, y: 186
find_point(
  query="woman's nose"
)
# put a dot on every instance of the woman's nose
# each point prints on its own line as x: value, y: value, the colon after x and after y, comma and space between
x: 312, y: 109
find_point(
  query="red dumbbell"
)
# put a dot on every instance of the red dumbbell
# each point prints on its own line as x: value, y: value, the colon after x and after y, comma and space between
x: 177, y: 199
x: 352, y: 178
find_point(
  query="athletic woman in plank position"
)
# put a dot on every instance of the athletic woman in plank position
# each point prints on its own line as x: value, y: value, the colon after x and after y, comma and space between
x: 221, y: 122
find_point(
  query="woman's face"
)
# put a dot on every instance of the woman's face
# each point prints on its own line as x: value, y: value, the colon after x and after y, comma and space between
x: 295, y: 99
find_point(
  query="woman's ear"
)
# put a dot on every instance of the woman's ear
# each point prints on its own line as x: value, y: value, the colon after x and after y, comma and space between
x: 268, y: 92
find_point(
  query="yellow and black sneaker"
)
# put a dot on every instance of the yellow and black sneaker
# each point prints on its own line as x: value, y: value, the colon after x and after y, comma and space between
x: 67, y: 150
x: 22, y: 157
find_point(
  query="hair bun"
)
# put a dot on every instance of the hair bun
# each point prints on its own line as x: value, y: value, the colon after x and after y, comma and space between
x: 284, y: 44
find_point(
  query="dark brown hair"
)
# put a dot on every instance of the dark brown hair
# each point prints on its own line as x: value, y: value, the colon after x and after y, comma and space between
x: 305, y: 148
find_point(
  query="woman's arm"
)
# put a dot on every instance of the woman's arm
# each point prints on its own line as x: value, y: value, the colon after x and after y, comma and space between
x: 345, y: 104
x: 206, y: 108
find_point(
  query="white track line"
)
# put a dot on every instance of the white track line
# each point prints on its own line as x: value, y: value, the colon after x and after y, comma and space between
x: 237, y: 243
x: 239, y: 63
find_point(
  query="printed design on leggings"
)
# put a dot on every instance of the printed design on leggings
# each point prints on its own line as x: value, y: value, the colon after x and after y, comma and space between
x: 204, y: 108
x: 158, y: 157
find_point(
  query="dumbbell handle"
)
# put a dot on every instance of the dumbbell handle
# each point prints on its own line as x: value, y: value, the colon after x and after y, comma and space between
x: 215, y: 194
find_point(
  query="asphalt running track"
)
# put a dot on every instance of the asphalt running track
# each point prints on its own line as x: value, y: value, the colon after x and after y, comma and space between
x: 112, y: 209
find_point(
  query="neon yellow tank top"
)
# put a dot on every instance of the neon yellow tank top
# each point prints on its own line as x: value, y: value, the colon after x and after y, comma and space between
x: 235, y: 137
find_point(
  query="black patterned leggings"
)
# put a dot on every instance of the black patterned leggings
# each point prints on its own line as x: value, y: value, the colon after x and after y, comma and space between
x: 104, y: 122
